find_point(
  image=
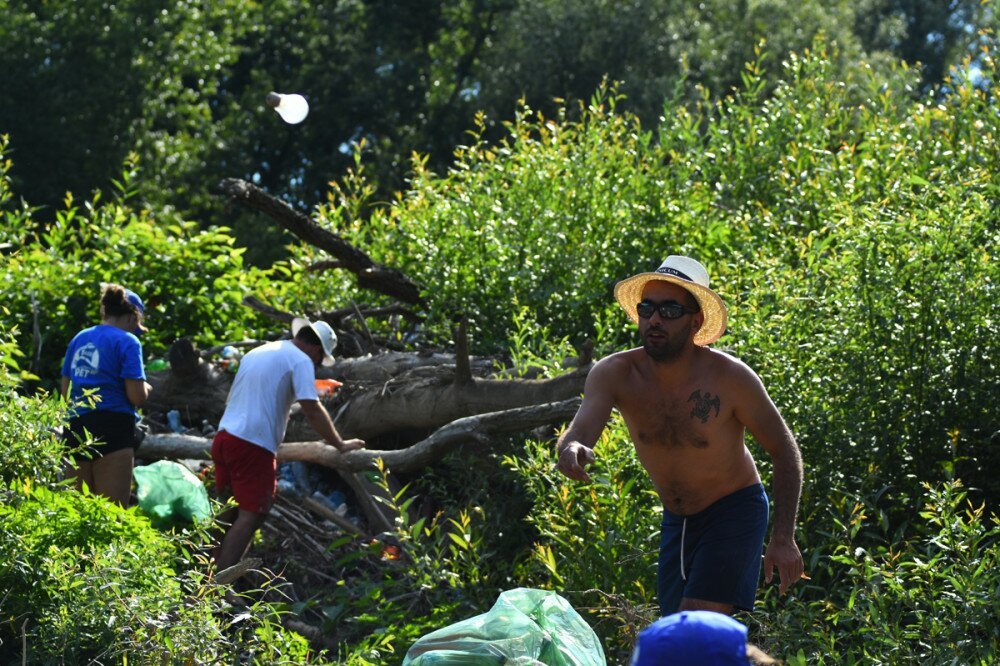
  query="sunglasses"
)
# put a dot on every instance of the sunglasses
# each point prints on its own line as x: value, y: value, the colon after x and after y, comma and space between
x: 668, y: 310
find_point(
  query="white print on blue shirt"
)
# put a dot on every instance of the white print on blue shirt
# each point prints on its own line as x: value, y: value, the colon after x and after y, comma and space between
x: 86, y: 361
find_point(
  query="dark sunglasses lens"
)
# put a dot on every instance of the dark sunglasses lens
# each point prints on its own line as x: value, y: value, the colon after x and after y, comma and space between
x: 666, y: 310
x: 671, y: 311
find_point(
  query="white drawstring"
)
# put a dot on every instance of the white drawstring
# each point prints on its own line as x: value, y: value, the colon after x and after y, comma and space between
x: 683, y: 530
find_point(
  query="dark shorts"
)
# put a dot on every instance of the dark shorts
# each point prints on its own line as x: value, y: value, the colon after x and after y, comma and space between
x: 110, y: 431
x: 245, y: 470
x: 714, y: 555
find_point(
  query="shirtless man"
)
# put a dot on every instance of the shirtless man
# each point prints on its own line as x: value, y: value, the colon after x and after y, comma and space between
x: 686, y: 408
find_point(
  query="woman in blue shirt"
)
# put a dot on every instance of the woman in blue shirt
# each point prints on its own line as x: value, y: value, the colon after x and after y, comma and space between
x: 105, y: 382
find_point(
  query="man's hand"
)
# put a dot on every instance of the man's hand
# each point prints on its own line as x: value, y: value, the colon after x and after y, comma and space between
x: 573, y: 457
x: 351, y: 445
x: 785, y: 555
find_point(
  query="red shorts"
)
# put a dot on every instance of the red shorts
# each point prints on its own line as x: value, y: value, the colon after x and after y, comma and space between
x: 248, y: 471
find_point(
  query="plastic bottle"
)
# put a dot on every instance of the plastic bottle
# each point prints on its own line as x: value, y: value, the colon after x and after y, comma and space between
x: 330, y: 501
x: 156, y: 365
x: 174, y: 420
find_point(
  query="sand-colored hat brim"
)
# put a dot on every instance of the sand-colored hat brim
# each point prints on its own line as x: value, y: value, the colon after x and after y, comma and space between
x: 628, y: 293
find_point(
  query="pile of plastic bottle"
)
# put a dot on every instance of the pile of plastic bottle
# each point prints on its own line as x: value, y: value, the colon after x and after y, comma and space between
x: 230, y: 358
x: 298, y: 479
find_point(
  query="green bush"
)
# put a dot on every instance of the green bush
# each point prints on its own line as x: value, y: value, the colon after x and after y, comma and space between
x: 86, y: 581
x: 598, y: 542
x: 192, y: 281
x: 922, y: 592
x: 30, y: 447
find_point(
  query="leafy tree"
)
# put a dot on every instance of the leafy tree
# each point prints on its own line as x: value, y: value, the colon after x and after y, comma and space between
x: 192, y: 280
x: 87, y: 82
x: 934, y: 34
x: 182, y: 84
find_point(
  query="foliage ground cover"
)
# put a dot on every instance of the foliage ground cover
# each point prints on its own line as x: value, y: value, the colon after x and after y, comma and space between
x: 855, y: 242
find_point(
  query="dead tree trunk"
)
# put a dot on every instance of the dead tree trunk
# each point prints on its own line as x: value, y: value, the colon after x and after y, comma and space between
x: 409, y: 403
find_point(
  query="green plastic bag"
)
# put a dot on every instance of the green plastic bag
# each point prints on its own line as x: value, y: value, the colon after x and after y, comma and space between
x: 526, y: 627
x: 170, y: 494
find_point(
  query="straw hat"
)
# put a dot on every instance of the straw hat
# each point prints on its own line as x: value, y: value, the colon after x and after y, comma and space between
x: 687, y: 273
x: 323, y: 331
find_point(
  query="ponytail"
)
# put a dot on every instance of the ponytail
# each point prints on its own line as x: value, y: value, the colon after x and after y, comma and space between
x: 115, y: 302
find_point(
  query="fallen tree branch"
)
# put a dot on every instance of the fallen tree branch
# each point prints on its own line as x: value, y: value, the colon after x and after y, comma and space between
x: 333, y: 517
x: 371, y: 275
x: 272, y: 312
x: 478, y: 428
x: 332, y: 316
x: 413, y: 458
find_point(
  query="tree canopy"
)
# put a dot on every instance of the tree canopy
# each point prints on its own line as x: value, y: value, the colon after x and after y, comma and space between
x: 87, y: 82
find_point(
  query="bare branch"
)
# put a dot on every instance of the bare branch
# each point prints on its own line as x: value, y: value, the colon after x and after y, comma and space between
x: 371, y: 275
x: 324, y: 266
x: 264, y: 308
x: 463, y: 370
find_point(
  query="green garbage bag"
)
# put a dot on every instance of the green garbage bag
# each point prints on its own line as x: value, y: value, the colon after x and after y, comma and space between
x: 526, y: 627
x: 170, y: 494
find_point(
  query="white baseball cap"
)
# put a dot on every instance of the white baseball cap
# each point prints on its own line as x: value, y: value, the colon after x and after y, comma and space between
x: 323, y: 331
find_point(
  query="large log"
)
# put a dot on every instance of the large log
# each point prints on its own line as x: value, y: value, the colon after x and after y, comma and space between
x: 410, y: 404
x: 381, y: 368
x: 198, y: 389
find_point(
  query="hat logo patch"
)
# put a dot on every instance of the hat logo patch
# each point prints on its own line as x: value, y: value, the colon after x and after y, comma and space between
x: 673, y: 271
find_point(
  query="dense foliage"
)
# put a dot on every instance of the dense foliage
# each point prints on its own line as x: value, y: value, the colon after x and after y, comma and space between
x: 852, y: 231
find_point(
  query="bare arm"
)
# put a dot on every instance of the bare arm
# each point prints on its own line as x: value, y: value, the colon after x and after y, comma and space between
x: 575, y: 446
x: 137, y: 391
x: 760, y: 416
x: 64, y: 387
x: 321, y: 422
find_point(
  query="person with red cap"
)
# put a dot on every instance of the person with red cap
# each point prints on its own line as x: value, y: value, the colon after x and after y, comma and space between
x: 104, y: 380
x: 269, y: 379
x: 687, y: 408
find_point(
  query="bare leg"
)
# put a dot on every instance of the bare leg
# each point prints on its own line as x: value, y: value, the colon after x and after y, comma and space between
x: 84, y: 475
x: 701, y: 604
x: 237, y: 539
x: 113, y: 476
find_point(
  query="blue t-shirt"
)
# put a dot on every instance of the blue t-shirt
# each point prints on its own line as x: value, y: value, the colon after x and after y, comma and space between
x: 103, y: 357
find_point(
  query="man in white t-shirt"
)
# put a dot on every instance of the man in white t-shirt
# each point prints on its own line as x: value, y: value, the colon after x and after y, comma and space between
x: 270, y: 378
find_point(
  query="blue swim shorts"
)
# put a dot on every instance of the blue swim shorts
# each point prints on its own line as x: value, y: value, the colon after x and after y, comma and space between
x: 714, y: 555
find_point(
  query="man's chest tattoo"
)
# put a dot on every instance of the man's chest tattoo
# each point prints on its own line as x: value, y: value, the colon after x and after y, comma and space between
x: 704, y: 404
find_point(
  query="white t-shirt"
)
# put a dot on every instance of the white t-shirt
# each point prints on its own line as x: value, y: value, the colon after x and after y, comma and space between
x: 270, y: 378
